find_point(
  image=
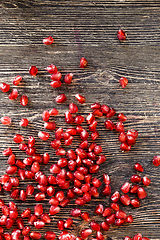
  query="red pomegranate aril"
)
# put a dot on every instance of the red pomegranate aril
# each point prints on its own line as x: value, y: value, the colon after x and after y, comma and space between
x: 130, y: 140
x: 110, y: 219
x: 111, y: 113
x: 4, y: 87
x: 121, y: 214
x: 49, y: 235
x: 137, y: 237
x: 1, y: 203
x: 106, y: 212
x: 68, y: 141
x: 138, y: 167
x: 135, y: 178
x: 105, y: 226
x: 11, y: 169
x: 141, y: 193
x: 59, y: 196
x: 83, y: 63
x: 71, y: 131
x: 132, y: 133
x: 75, y: 212
x: 95, y: 226
x: 7, y: 151
x: 97, y: 149
x: 99, y: 235
x: 56, y: 76
x: 54, y: 210
x: 68, y: 78
x: 56, y: 84
x: 51, y: 69
x: 61, y: 98
x: 20, y: 223
x: 53, y: 201
x: 80, y: 98
x: 115, y: 197
x: 146, y: 181
x: 3, y: 220
x: 86, y: 232
x: 101, y: 159
x: 11, y: 159
x: 156, y: 160
x: 29, y: 174
x: 121, y: 117
x: 85, y: 216
x: 5, y: 120
x: 20, y: 164
x: 97, y: 113
x: 119, y: 222
x: 125, y: 147
x: 13, y: 95
x: 85, y: 187
x: 106, y: 179
x: 121, y: 35
x: 26, y: 230
x: 94, y: 135
x: 28, y: 161
x: 35, y: 235
x: 7, y: 236
x: 65, y: 201
x: 109, y: 125
x: 24, y: 122
x: 29, y: 189
x: 68, y: 223
x: 84, y: 144
x: 95, y: 106
x: 106, y: 190
x: 125, y: 187
x: 135, y: 202
x: 123, y: 82
x: 119, y: 127
x: 114, y: 206
x: 79, y: 119
x: 79, y: 129
x: 40, y: 197
x: 129, y: 219
x: 35, y: 167
x: 93, y: 125
x: 23, y: 146
x: 73, y: 108
x: 38, y: 209
x: 5, y: 210
x: 94, y: 169
x: 134, y: 188
x: 125, y: 199
x: 80, y: 201
x: 24, y: 100
x: 87, y: 196
x: 45, y: 217
x: 15, y: 193
x: 68, y: 117
x: 26, y: 213
x: 33, y: 70
x: 32, y: 219
x: 17, y: 80
x: 45, y: 115
x: 14, y: 181
x: 43, y: 135
x: 7, y: 186
x: 48, y: 41
x: 90, y: 118
x: 55, y: 144
x: 60, y: 225
x: 96, y: 182
x: 18, y: 138
x: 39, y: 224
x: 99, y: 209
x: 22, y: 195
x: 53, y: 112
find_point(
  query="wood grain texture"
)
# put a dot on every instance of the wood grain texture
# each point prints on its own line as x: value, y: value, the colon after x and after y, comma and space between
x: 87, y: 28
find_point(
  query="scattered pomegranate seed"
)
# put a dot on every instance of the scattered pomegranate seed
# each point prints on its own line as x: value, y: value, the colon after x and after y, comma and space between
x: 125, y: 147
x: 135, y: 178
x: 48, y: 41
x: 68, y: 78
x: 83, y: 63
x: 121, y: 35
x: 80, y: 98
x: 35, y: 235
x: 146, y: 181
x: 156, y: 160
x: 86, y: 232
x: 6, y: 120
x: 43, y: 135
x: 115, y: 196
x: 99, y: 209
x: 24, y: 100
x: 52, y: 69
x: 50, y: 235
x: 17, y: 80
x: 138, y: 167
x: 121, y: 117
x: 125, y: 199
x: 141, y: 193
x: 125, y: 187
x: 13, y: 95
x: 137, y: 237
x: 24, y: 122
x: 123, y: 82
x: 61, y: 98
x: 33, y: 70
x: 4, y: 87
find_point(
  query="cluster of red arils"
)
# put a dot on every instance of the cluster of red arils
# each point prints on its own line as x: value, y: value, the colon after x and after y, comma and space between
x: 138, y: 236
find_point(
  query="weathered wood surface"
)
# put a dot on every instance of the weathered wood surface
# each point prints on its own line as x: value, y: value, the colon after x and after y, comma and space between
x: 88, y: 28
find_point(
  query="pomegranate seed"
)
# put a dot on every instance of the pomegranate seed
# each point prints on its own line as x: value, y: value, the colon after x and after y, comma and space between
x: 43, y: 135
x: 94, y: 169
x: 80, y: 98
x: 54, y: 210
x: 125, y: 199
x: 35, y: 235
x: 7, y: 151
x: 26, y: 230
x: 141, y: 193
x: 121, y: 117
x: 11, y: 159
x: 22, y: 146
x: 49, y: 235
x: 76, y: 212
x: 127, y: 238
x: 13, y: 95
x: 83, y: 63
x: 68, y: 223
x: 29, y: 189
x: 146, y: 181
x: 115, y: 196
x: 119, y: 222
x: 105, y: 226
x: 45, y: 217
x: 99, y: 236
x: 20, y: 223
x: 24, y: 122
x: 35, y: 167
x: 68, y: 117
x: 138, y: 167
x: 92, y: 126
x: 4, y: 87
x: 73, y: 108
x: 106, y: 190
x: 24, y: 100
x: 130, y: 140
x: 56, y: 77
x: 132, y: 133
x: 94, y: 135
x: 60, y: 225
x: 156, y: 160
x: 101, y: 159
x: 39, y: 224
x: 106, y: 179
x: 39, y: 197
x: 68, y: 78
x: 22, y: 195
x: 134, y: 189
x: 125, y: 187
x: 33, y: 70
x: 61, y: 98
x: 111, y: 113
x: 32, y: 219
x: 135, y: 178
x: 115, y: 206
x: 95, y: 226
x: 86, y: 232
x: 110, y: 219
x: 17, y: 80
x: 38, y: 210
x: 125, y: 147
x: 52, y: 69
x: 107, y: 212
x: 119, y: 127
x: 80, y: 201
x: 20, y: 164
x: 129, y: 219
x: 26, y: 213
x: 6, y: 120
x: 96, y: 182
x: 135, y: 202
x: 97, y: 149
x: 56, y: 84
x: 137, y: 237
x: 18, y: 138
x: 109, y: 125
x: 45, y: 115
x: 83, y: 144
x: 55, y: 144
x: 11, y: 169
x: 14, y: 181
x: 48, y: 41
x: 123, y: 82
x: 121, y: 35
x: 53, y: 201
x: 121, y: 214
x: 15, y: 193
x: 99, y: 210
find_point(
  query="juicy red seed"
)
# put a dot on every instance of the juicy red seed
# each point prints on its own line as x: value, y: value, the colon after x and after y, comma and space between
x: 94, y: 169
x: 55, y: 144
x: 68, y: 117
x: 97, y: 113
x: 135, y: 202
x: 51, y: 69
x: 5, y: 178
x: 146, y: 181
x: 138, y: 167
x: 17, y: 80
x: 4, y: 87
x: 26, y: 230
x: 6, y: 120
x: 60, y: 225
x: 125, y: 147
x: 105, y: 109
x: 85, y: 216
x: 39, y: 224
x: 115, y: 196
x: 121, y: 214
x: 109, y: 124
x: 61, y: 98
x: 99, y: 209
x: 130, y: 140
x: 76, y: 212
x: 54, y: 210
x: 45, y: 115
x: 106, y: 190
x: 24, y: 100
x: 23, y: 146
x: 35, y: 167
x: 90, y: 118
x: 129, y: 219
x: 125, y: 199
x: 123, y: 82
x: 83, y: 144
x: 125, y: 187
x: 59, y: 196
x: 33, y: 70
x: 29, y: 189
x: 50, y: 125
x: 55, y: 169
x: 80, y: 98
x: 86, y: 232
x: 135, y: 178
x: 127, y: 238
x: 49, y: 235
x: 43, y: 135
x: 24, y: 122
x: 53, y: 201
x: 45, y: 217
x: 122, y: 137
x: 15, y: 193
x: 38, y: 210
x: 134, y: 189
x: 11, y: 169
x: 121, y: 35
x: 101, y: 159
x: 111, y: 113
x: 83, y: 63
x: 20, y: 223
x: 68, y: 222
x: 97, y: 149
x: 119, y: 222
x: 68, y: 78
x: 106, y: 179
x: 115, y: 206
x: 13, y: 95
x: 18, y: 138
x: 141, y: 193
x: 73, y: 108
x: 105, y: 226
x: 110, y: 219
x: 94, y: 135
x: 132, y: 133
x: 71, y: 131
x: 22, y: 195
x: 7, y: 151
x: 11, y: 159
x: 39, y: 197
x: 99, y: 235
x: 95, y: 106
x: 156, y: 160
x: 96, y: 182
x: 26, y: 213
x: 107, y: 212
x: 56, y: 77
x: 119, y: 127
x: 92, y: 126
x: 137, y: 237
x: 35, y: 235
x: 95, y: 226
x: 20, y: 164
x: 121, y: 117
x: 14, y: 181
x: 62, y: 162
x: 48, y: 41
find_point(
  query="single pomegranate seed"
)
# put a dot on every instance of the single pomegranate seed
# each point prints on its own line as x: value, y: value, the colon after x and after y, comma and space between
x: 80, y: 98
x: 129, y: 219
x: 53, y: 201
x: 121, y: 35
x: 52, y: 69
x: 4, y: 87
x: 29, y: 189
x: 86, y: 232
x: 54, y: 210
x: 119, y: 127
x: 24, y: 122
x: 26, y: 230
x: 6, y: 120
x: 110, y: 219
x: 61, y: 98
x: 11, y: 159
x: 73, y: 108
x: 115, y: 206
x: 96, y: 105
x: 68, y: 223
x: 68, y: 117
x: 32, y: 219
x: 123, y: 82
x: 18, y: 138
x: 95, y: 226
x: 11, y: 169
x: 107, y: 212
x: 7, y: 151
x: 94, y: 169
x: 22, y: 195
x: 125, y: 199
x: 132, y: 133
x: 68, y: 141
x: 156, y: 160
x: 125, y: 147
x: 45, y: 217
x: 106, y: 190
x: 121, y: 117
x: 15, y: 193
x: 35, y: 235
x: 90, y: 118
x: 115, y: 196
x: 39, y: 224
x: 20, y: 223
x: 106, y: 179
x: 56, y: 84
x: 111, y: 113
x: 68, y: 78
x: 76, y: 212
x: 39, y: 197
x: 146, y: 181
x: 38, y: 210
x: 141, y: 193
x: 17, y: 80
x: 134, y: 189
x: 33, y: 70
x: 137, y: 237
x: 125, y: 187
x: 80, y: 201
x: 109, y: 125
x: 26, y: 213
x: 24, y: 100
x: 35, y: 167
x: 130, y: 140
x: 45, y: 115
x: 79, y: 119
x: 56, y: 77
x: 85, y: 216
x: 83, y: 63
x: 105, y: 226
x: 135, y: 178
x: 48, y: 41
x: 60, y: 225
x: 127, y: 238
x: 99, y: 235
x: 94, y: 135
x: 49, y: 235
x: 121, y: 214
x: 99, y: 209
x: 101, y: 159
x: 84, y: 144
x: 43, y: 135
x: 14, y: 181
x: 135, y: 202
x: 13, y: 95
x: 138, y: 167
x: 96, y: 182
x: 119, y: 222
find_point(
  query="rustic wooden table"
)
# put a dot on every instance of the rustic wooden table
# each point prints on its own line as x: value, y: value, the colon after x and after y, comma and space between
x: 87, y: 28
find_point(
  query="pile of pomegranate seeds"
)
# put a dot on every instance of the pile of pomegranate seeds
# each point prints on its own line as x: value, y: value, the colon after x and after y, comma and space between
x: 72, y: 176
